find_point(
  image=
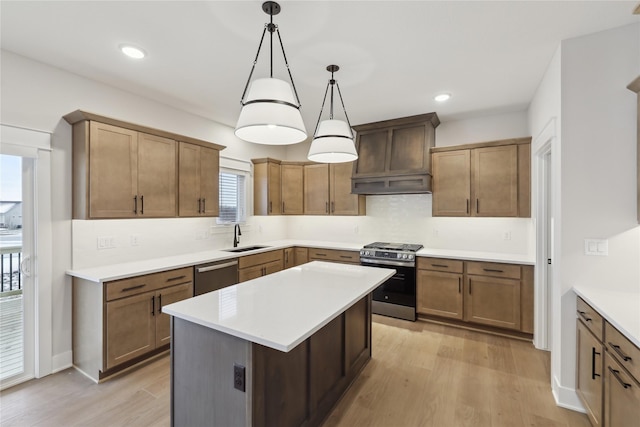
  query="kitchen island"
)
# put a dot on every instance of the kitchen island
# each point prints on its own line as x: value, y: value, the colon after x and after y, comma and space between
x: 277, y: 350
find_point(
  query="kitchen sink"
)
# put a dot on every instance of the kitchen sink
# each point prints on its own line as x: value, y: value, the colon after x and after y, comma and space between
x: 245, y: 249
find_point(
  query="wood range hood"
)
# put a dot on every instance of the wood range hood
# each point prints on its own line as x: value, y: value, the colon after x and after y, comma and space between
x: 394, y: 155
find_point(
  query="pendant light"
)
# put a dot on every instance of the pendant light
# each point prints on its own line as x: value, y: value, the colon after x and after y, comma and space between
x: 332, y: 139
x: 270, y: 107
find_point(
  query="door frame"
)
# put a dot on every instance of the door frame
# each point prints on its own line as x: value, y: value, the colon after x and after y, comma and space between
x: 543, y: 190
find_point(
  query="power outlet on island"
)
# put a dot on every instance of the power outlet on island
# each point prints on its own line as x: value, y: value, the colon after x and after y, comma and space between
x: 239, y: 377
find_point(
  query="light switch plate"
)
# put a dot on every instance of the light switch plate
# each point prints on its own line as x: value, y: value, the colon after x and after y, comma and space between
x: 597, y: 247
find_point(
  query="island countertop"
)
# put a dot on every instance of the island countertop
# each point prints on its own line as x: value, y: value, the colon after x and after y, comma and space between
x: 282, y: 309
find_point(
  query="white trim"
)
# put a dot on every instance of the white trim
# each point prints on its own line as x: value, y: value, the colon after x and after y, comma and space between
x: 62, y: 361
x: 566, y: 397
x: 235, y: 164
x: 542, y: 310
x: 18, y: 136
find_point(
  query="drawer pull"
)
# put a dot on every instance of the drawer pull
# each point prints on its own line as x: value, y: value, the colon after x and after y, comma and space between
x: 594, y: 353
x: 176, y: 278
x: 141, y: 205
x: 346, y: 256
x: 493, y: 270
x: 620, y: 352
x: 584, y: 316
x: 133, y: 287
x: 616, y: 373
x: 440, y: 265
x: 459, y: 285
x: 319, y: 254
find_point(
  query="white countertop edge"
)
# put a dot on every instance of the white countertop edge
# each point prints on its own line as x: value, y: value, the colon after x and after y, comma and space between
x: 607, y: 303
x: 112, y: 272
x: 281, y: 346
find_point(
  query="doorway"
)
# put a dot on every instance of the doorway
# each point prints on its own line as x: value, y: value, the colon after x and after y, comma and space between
x: 17, y: 247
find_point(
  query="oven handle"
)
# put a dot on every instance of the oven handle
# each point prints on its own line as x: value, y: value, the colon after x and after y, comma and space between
x: 372, y: 263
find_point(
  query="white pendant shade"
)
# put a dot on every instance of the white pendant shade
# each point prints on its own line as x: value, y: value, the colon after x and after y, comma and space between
x: 333, y: 143
x: 273, y: 119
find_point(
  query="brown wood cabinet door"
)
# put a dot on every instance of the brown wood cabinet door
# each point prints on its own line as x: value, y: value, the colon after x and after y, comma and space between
x: 589, y: 373
x: 249, y: 273
x: 163, y: 321
x: 113, y: 169
x: 439, y: 294
x: 274, y: 188
x: 289, y: 258
x: 210, y: 181
x: 130, y: 328
x: 273, y: 267
x: 157, y: 176
x: 494, y: 189
x: 372, y: 152
x: 189, y: 203
x: 302, y: 256
x: 492, y: 301
x: 342, y: 201
x: 452, y: 183
x: 408, y: 151
x: 292, y: 189
x: 316, y: 189
x: 622, y: 396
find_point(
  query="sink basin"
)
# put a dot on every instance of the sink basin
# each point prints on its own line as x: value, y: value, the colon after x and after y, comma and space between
x: 245, y: 249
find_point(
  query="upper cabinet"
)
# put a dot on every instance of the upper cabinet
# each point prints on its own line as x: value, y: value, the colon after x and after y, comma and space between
x: 199, y: 181
x: 292, y: 175
x: 490, y: 179
x: 342, y: 201
x: 635, y: 87
x: 267, y: 191
x: 393, y: 155
x: 123, y: 170
x: 316, y: 189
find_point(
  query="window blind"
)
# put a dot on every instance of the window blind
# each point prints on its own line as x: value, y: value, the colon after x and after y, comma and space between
x: 232, y: 197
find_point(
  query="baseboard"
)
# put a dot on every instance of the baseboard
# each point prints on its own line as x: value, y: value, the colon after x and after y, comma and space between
x: 566, y: 397
x: 61, y: 361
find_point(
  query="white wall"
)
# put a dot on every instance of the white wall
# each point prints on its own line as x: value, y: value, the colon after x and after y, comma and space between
x: 597, y: 183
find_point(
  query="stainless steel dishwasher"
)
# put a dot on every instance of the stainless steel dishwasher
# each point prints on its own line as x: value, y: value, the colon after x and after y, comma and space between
x: 215, y: 275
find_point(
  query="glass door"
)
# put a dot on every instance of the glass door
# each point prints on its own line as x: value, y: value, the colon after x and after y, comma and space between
x: 17, y: 237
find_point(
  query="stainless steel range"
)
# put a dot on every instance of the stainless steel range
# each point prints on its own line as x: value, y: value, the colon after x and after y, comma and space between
x: 397, y: 296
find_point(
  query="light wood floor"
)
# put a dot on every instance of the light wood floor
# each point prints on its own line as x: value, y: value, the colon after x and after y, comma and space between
x: 420, y: 375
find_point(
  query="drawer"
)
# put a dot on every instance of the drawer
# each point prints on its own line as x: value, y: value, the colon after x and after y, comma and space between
x: 623, y: 350
x: 334, y: 255
x: 261, y: 258
x: 149, y: 282
x: 440, y: 264
x: 590, y: 318
x: 493, y: 269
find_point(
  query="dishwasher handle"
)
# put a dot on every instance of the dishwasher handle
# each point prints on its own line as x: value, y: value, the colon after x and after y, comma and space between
x: 216, y: 267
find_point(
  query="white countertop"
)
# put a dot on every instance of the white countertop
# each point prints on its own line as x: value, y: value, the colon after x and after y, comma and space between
x: 621, y: 309
x: 135, y: 268
x: 282, y: 309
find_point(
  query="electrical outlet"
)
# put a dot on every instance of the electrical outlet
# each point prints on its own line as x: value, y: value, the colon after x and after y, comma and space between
x: 106, y: 242
x: 135, y: 240
x: 506, y: 235
x: 356, y: 230
x: 598, y: 247
x: 436, y: 232
x: 239, y: 377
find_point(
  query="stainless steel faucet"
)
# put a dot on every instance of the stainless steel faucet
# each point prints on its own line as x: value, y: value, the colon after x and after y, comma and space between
x: 236, y: 235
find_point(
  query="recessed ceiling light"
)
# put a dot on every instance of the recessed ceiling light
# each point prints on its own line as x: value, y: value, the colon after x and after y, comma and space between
x: 442, y: 97
x: 132, y: 51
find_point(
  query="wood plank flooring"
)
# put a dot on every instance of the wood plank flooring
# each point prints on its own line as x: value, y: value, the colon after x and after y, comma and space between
x: 11, y: 336
x: 421, y: 374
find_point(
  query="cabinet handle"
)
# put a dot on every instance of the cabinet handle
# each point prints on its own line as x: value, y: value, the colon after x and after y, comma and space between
x: 141, y: 205
x: 467, y: 205
x: 333, y: 207
x: 477, y: 205
x: 459, y: 285
x: 321, y: 254
x: 593, y: 363
x: 204, y: 205
x: 469, y: 287
x: 270, y: 207
x: 346, y: 256
x: 587, y: 319
x: 135, y: 204
x: 283, y: 211
x: 440, y: 265
x: 619, y: 351
x: 153, y: 305
x: 616, y: 374
x: 159, y: 303
x: 199, y: 205
x: 286, y: 254
x: 492, y: 270
x: 133, y: 287
x: 176, y: 278
x: 326, y: 207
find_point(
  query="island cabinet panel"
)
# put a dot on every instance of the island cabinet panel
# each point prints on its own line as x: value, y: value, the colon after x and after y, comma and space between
x: 267, y: 187
x: 589, y: 380
x: 292, y: 188
x: 326, y: 353
x: 199, y: 180
x: 316, y: 189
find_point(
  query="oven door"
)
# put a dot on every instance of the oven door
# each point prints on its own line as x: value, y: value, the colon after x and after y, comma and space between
x: 399, y: 289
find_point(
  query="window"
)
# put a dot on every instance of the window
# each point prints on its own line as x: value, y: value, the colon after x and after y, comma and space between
x: 232, y: 196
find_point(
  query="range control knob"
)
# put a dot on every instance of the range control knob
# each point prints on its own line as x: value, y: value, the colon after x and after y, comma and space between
x: 404, y: 256
x: 410, y: 256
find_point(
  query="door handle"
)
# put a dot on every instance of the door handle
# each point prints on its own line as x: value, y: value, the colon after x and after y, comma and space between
x: 135, y: 204
x: 25, y: 266
x: 459, y: 285
x: 593, y: 363
x: 153, y: 305
x: 199, y: 205
x: 333, y: 207
x: 477, y: 205
x: 141, y: 205
x: 204, y: 205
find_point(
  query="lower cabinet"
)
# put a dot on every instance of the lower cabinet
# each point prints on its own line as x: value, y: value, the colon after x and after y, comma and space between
x: 494, y: 295
x: 622, y: 395
x: 334, y: 255
x: 258, y: 265
x: 295, y: 256
x: 121, y: 322
x: 589, y: 372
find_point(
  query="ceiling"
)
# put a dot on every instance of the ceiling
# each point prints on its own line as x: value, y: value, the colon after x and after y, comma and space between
x: 394, y: 56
